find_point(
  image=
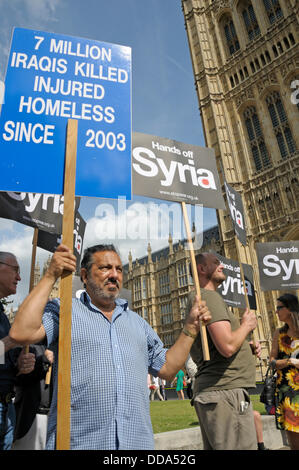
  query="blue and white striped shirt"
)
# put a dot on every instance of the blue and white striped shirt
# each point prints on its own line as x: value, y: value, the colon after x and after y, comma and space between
x: 109, y: 366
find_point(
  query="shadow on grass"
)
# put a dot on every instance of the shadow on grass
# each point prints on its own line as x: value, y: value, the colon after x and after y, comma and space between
x: 195, y: 423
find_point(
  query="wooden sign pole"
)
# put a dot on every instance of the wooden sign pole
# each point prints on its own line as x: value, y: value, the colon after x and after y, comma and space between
x: 31, y: 285
x: 244, y: 285
x: 31, y: 281
x: 63, y: 432
x: 33, y: 258
x: 203, y: 332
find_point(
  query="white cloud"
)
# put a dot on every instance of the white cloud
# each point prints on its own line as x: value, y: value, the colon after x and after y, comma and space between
x: 20, y: 244
x: 133, y: 227
x: 30, y: 11
x: 8, y: 225
x: 41, y: 9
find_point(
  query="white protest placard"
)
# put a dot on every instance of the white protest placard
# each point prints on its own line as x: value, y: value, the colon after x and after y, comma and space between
x: 235, y: 204
x: 175, y: 171
x: 232, y: 288
x: 278, y: 265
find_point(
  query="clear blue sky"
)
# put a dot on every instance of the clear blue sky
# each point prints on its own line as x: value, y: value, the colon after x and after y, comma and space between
x: 164, y: 101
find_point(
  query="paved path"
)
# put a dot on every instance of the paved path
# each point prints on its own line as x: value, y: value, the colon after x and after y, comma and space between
x: 190, y: 439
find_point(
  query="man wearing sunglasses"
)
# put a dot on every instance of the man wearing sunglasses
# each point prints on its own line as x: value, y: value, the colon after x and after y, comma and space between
x: 13, y: 361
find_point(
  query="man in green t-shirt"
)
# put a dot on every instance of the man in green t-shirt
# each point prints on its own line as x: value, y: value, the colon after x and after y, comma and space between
x: 220, y: 391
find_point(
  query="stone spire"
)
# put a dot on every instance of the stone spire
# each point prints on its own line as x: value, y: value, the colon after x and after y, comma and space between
x: 149, y: 253
x: 170, y: 241
x: 130, y: 261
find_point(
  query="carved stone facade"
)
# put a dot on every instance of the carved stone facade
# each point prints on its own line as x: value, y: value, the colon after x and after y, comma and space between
x: 246, y: 68
x: 160, y: 283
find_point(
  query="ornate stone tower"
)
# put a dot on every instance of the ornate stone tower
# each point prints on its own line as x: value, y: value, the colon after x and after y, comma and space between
x: 246, y: 68
x: 38, y: 275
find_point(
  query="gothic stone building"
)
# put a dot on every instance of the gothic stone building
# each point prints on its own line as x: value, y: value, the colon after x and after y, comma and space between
x: 38, y: 274
x: 246, y: 69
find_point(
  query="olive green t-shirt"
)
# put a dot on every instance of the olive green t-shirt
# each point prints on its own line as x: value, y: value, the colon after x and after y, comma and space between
x: 221, y: 373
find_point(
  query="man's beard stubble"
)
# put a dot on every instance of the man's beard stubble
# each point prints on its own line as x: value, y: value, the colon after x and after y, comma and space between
x: 98, y: 293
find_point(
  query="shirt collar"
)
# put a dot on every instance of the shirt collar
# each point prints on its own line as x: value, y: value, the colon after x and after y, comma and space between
x: 121, y: 304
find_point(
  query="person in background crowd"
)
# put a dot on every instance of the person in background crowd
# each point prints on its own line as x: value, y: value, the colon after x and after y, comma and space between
x: 284, y: 357
x: 149, y: 384
x: 162, y: 383
x: 109, y: 393
x: 32, y: 404
x: 156, y: 389
x: 259, y: 430
x: 179, y: 380
x: 13, y: 361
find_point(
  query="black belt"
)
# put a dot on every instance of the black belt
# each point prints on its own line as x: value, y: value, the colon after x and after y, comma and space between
x: 6, y: 398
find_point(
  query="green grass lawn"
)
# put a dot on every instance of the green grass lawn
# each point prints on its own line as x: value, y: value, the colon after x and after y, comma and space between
x: 171, y: 415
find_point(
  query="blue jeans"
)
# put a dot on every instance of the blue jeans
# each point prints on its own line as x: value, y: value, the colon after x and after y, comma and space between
x: 7, y: 425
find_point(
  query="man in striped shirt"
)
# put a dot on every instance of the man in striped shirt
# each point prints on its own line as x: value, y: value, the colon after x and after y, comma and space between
x: 113, y: 350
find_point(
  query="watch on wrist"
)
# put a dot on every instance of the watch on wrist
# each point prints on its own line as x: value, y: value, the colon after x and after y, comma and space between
x: 273, y: 364
x: 188, y: 333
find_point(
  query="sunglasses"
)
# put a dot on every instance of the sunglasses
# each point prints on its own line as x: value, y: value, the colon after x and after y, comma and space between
x: 280, y: 307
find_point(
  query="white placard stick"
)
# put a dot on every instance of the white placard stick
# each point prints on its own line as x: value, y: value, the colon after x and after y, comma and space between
x: 203, y: 331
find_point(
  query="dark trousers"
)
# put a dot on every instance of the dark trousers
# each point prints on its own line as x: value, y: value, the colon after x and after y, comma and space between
x: 7, y: 424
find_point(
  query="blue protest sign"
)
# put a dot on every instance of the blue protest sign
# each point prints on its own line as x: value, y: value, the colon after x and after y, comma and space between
x: 51, y: 78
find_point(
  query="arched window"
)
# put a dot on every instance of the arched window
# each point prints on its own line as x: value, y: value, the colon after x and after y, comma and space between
x: 164, y: 286
x: 273, y: 10
x: 166, y: 313
x: 256, y: 138
x: 230, y: 35
x: 275, y: 51
x: 280, y: 125
x: 286, y: 42
x: 250, y: 21
x: 291, y: 38
x: 268, y: 56
x: 182, y: 274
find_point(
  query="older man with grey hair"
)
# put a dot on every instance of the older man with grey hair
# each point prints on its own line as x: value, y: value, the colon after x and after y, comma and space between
x: 13, y: 361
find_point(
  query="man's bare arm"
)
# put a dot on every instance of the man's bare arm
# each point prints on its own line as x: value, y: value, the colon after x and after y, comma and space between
x: 228, y: 342
x: 177, y: 355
